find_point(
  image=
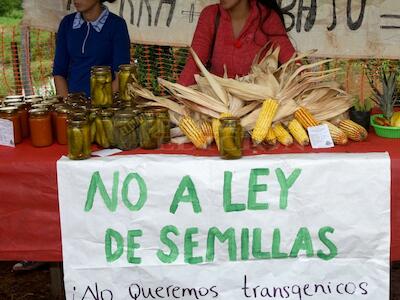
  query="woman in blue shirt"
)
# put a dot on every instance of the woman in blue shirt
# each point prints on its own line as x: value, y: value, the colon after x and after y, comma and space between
x: 93, y: 36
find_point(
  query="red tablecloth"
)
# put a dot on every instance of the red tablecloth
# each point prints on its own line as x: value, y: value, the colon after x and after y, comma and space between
x: 29, y: 216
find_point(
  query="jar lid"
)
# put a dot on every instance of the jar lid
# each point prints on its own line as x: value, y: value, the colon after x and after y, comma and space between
x: 30, y: 97
x: 62, y: 109
x: 56, y: 98
x: 18, y: 104
x: 127, y: 67
x: 16, y: 97
x: 125, y: 113
x: 77, y: 116
x: 41, y: 105
x: 13, y: 102
x: 38, y: 112
x: 230, y: 119
x: 8, y: 109
x: 77, y: 122
x: 33, y: 100
x: 100, y: 68
x: 106, y: 113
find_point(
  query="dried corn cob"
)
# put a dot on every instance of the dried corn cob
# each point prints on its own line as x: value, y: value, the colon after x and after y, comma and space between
x: 305, y: 118
x: 271, y: 137
x: 193, y: 132
x: 207, y: 130
x: 339, y: 137
x: 282, y: 135
x: 298, y: 132
x: 264, y: 120
x: 353, y: 130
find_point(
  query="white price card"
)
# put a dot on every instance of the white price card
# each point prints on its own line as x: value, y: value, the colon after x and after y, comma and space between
x: 320, y: 137
x: 6, y: 133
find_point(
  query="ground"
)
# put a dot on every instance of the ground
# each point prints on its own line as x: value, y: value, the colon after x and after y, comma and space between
x: 35, y: 285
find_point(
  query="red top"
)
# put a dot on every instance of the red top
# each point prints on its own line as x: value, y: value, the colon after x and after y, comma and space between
x: 236, y: 54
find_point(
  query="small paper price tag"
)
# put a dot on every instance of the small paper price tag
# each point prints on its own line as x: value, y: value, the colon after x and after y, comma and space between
x: 6, y: 133
x: 320, y: 137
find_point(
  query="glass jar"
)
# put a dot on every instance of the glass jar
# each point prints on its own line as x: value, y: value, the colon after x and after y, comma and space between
x: 61, y: 125
x: 40, y: 127
x: 78, y: 133
x: 93, y: 114
x: 101, y: 86
x: 105, y: 129
x: 11, y: 100
x: 230, y: 138
x: 23, y: 118
x: 163, y: 115
x: 150, y: 130
x: 126, y: 130
x: 11, y: 113
x: 125, y: 76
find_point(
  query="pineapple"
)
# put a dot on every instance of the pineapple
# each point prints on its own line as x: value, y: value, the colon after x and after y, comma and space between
x: 386, y: 96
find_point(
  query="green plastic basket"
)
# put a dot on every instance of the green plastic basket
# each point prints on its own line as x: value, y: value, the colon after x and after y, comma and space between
x: 385, y: 131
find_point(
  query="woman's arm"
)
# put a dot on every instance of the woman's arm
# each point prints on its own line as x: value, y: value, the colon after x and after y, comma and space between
x: 61, y: 61
x: 277, y: 34
x: 201, y: 44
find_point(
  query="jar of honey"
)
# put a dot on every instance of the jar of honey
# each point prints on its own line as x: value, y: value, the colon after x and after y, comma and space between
x: 61, y: 125
x: 11, y: 113
x: 40, y: 127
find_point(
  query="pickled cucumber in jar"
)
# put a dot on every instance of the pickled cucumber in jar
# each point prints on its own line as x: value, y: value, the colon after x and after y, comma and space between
x: 230, y: 137
x: 126, y: 75
x: 150, y: 130
x: 126, y: 130
x: 78, y: 133
x: 101, y: 86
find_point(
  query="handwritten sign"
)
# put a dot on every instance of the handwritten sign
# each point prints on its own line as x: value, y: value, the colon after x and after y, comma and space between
x: 347, y: 29
x: 180, y: 227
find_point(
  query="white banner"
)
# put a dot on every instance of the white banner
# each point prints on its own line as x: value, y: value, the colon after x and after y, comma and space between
x: 352, y: 29
x: 266, y: 227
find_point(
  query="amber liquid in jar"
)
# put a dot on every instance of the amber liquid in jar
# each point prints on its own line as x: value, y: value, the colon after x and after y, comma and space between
x: 40, y: 127
x: 230, y: 138
x: 11, y: 114
x: 61, y: 125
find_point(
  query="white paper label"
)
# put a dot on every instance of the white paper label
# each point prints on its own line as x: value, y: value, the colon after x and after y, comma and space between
x: 106, y: 152
x: 6, y: 133
x: 320, y: 137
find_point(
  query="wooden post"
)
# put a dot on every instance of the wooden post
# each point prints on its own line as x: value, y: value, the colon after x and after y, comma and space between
x: 26, y: 62
x: 16, y: 72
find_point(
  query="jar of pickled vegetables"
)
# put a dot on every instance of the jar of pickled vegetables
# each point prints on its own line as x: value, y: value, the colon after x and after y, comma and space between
x: 23, y: 118
x: 126, y: 130
x: 151, y: 130
x: 11, y: 113
x: 61, y: 125
x: 104, y: 135
x: 40, y: 127
x: 230, y: 138
x: 125, y: 76
x: 101, y: 86
x: 78, y: 133
x: 93, y: 114
x: 163, y: 115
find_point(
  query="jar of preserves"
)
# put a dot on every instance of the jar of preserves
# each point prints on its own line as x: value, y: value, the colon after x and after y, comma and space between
x: 150, y: 130
x: 11, y: 113
x: 125, y: 76
x: 23, y: 118
x: 78, y: 133
x: 101, y: 86
x: 61, y: 125
x: 105, y: 129
x: 126, y: 130
x: 230, y: 138
x: 163, y: 115
x: 40, y: 127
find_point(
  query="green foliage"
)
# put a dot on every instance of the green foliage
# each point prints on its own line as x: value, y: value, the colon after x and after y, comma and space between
x: 365, y: 105
x: 8, y: 6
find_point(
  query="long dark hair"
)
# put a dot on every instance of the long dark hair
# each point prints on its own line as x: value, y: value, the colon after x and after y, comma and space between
x: 271, y: 5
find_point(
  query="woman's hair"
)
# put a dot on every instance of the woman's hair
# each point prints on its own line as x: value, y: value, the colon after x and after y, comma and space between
x: 272, y: 6
x: 111, y: 1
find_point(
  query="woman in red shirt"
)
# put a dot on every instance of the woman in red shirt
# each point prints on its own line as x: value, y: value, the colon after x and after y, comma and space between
x: 232, y: 33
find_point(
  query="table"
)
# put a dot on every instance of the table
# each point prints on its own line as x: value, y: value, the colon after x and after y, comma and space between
x: 29, y: 215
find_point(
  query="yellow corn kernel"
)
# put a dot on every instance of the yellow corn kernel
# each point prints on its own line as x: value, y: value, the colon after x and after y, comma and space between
x: 282, y: 135
x: 215, y: 128
x: 305, y: 118
x: 339, y: 137
x: 271, y: 137
x: 353, y: 130
x: 193, y: 132
x: 298, y: 132
x: 264, y: 120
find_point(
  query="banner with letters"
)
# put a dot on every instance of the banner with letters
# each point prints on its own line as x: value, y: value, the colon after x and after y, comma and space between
x: 306, y: 226
x: 344, y: 29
